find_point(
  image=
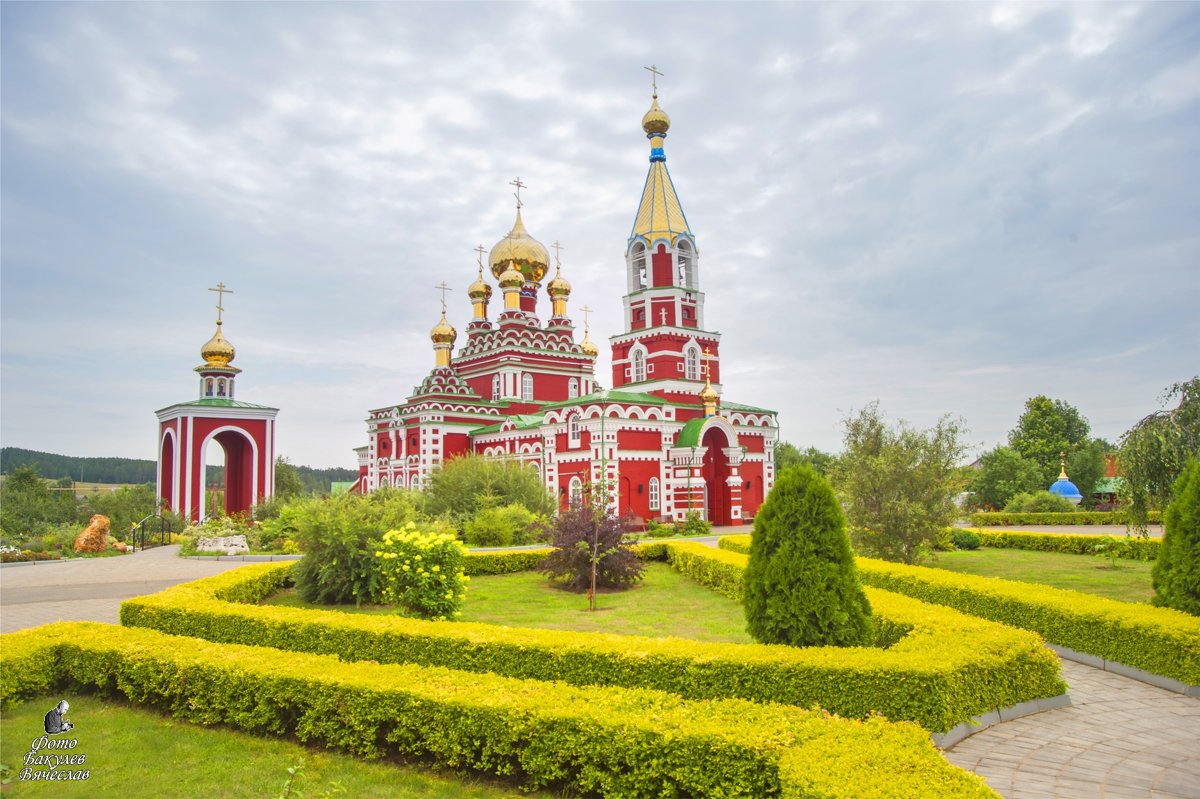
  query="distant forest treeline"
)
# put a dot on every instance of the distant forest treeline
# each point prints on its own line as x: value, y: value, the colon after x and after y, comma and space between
x: 132, y: 470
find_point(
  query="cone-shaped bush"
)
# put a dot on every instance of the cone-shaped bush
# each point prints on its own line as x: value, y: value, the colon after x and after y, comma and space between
x: 1177, y: 571
x: 801, y: 587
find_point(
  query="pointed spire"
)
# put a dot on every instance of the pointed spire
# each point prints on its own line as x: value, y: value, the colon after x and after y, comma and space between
x: 659, y: 214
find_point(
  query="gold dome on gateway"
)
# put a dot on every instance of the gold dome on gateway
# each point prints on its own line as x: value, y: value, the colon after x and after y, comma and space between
x: 217, y: 351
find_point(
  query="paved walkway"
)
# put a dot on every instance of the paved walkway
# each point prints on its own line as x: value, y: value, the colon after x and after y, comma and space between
x: 92, y: 589
x: 1120, y: 739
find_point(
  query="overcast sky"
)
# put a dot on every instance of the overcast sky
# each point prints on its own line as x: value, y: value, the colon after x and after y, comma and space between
x: 948, y: 208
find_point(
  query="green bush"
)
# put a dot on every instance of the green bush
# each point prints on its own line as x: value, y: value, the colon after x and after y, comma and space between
x: 1132, y: 547
x: 800, y: 588
x: 1177, y: 572
x: 1079, y: 517
x: 510, y: 525
x: 656, y: 529
x: 1039, y: 502
x: 467, y: 484
x: 339, y: 537
x: 521, y: 560
x: 588, y: 740
x: 423, y: 571
x: 965, y: 539
x: 941, y: 667
x: 693, y: 524
x: 591, y: 545
x: 1157, y: 640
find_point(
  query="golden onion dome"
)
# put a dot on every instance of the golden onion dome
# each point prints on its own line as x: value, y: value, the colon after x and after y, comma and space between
x: 510, y: 278
x: 588, y: 346
x: 656, y: 122
x: 479, y: 290
x: 443, y: 332
x: 708, y: 394
x: 559, y: 286
x: 217, y: 351
x: 530, y: 257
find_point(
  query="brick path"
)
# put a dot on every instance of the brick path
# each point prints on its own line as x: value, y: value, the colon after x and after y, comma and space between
x: 1120, y: 739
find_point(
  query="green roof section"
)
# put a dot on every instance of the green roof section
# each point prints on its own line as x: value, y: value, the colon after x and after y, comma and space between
x: 737, y: 406
x: 340, y: 486
x: 522, y: 421
x: 1108, y: 485
x: 626, y: 397
x: 215, y: 402
x: 689, y: 436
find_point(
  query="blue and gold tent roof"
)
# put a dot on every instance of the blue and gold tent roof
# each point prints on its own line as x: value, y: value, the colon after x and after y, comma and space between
x: 659, y: 215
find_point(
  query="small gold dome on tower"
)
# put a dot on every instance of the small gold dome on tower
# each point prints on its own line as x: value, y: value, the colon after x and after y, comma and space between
x: 559, y: 286
x: 479, y: 290
x: 656, y: 122
x: 510, y: 277
x: 217, y: 351
x: 588, y: 346
x: 443, y: 332
x: 527, y: 253
x: 708, y: 394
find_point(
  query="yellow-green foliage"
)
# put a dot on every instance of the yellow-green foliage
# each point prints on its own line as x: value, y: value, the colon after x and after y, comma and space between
x: 422, y: 570
x: 1157, y: 640
x: 1131, y: 547
x: 735, y: 543
x: 521, y: 560
x: 610, y: 741
x: 1006, y: 519
x: 948, y: 667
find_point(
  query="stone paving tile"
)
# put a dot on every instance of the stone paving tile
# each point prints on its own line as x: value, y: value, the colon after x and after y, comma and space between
x: 1119, y: 739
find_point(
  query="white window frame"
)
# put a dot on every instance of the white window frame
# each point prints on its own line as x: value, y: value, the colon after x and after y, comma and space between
x: 637, y: 361
x: 654, y: 498
x: 527, y: 387
x: 574, y: 431
x: 572, y: 388
x: 575, y: 491
x: 495, y: 387
x: 691, y: 370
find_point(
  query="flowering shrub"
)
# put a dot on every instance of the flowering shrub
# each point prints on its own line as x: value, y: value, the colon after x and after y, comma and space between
x: 423, y: 571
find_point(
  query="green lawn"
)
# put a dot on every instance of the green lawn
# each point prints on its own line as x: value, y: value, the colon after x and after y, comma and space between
x: 1128, y: 582
x: 665, y: 603
x: 136, y: 753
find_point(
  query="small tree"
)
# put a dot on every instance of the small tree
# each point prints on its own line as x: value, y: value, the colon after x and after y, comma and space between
x: 1046, y: 428
x: 591, y: 551
x: 469, y: 483
x: 800, y: 586
x: 1002, y: 474
x: 1176, y: 573
x: 898, y: 483
x: 1154, y: 450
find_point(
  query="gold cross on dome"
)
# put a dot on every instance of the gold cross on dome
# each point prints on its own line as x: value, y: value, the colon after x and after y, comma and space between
x: 707, y: 363
x: 654, y: 76
x: 481, y: 251
x: 586, y: 311
x: 442, y: 287
x: 221, y: 292
x: 558, y: 248
x: 517, y: 193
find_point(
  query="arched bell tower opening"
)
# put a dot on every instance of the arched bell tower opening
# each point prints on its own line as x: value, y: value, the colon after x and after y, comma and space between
x: 168, y: 485
x: 239, y: 489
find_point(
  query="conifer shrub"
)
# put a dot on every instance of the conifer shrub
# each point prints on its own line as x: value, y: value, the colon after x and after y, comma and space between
x: 422, y: 571
x: 1176, y: 573
x: 965, y: 539
x: 800, y: 586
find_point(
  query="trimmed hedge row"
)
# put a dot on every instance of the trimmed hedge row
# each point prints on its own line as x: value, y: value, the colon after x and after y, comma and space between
x: 1003, y: 519
x: 1131, y: 547
x: 612, y: 741
x: 948, y: 668
x: 1157, y: 640
x: 519, y: 560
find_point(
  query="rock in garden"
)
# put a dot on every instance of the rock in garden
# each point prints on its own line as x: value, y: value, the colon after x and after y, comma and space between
x: 229, y: 544
x: 95, y: 537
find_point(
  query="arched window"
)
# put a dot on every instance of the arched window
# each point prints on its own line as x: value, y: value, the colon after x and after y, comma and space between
x: 574, y: 434
x: 575, y: 491
x: 231, y: 388
x: 653, y: 493
x: 638, y: 265
x: 692, y: 368
x: 208, y: 387
x: 572, y: 388
x: 683, y: 257
x: 495, y: 387
x: 527, y: 388
x: 220, y: 388
x: 638, y: 359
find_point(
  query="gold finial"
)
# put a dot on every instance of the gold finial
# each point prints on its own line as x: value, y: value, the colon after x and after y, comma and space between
x: 221, y: 292
x: 442, y: 287
x: 587, y: 345
x: 1062, y: 459
x: 558, y: 248
x: 586, y: 311
x: 654, y: 76
x: 708, y: 395
x: 480, y: 249
x: 517, y: 193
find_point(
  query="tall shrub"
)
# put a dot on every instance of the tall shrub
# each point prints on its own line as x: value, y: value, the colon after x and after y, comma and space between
x: 800, y: 586
x: 590, y: 543
x: 423, y: 571
x: 469, y: 483
x: 339, y: 537
x: 1176, y: 573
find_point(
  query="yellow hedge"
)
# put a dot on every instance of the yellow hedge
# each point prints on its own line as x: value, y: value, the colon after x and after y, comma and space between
x: 948, y: 668
x: 615, y: 742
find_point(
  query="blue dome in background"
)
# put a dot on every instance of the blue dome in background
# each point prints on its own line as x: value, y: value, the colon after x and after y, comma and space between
x: 1062, y: 487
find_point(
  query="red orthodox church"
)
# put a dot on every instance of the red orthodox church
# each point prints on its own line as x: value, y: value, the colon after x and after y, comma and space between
x: 662, y: 439
x: 245, y: 431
